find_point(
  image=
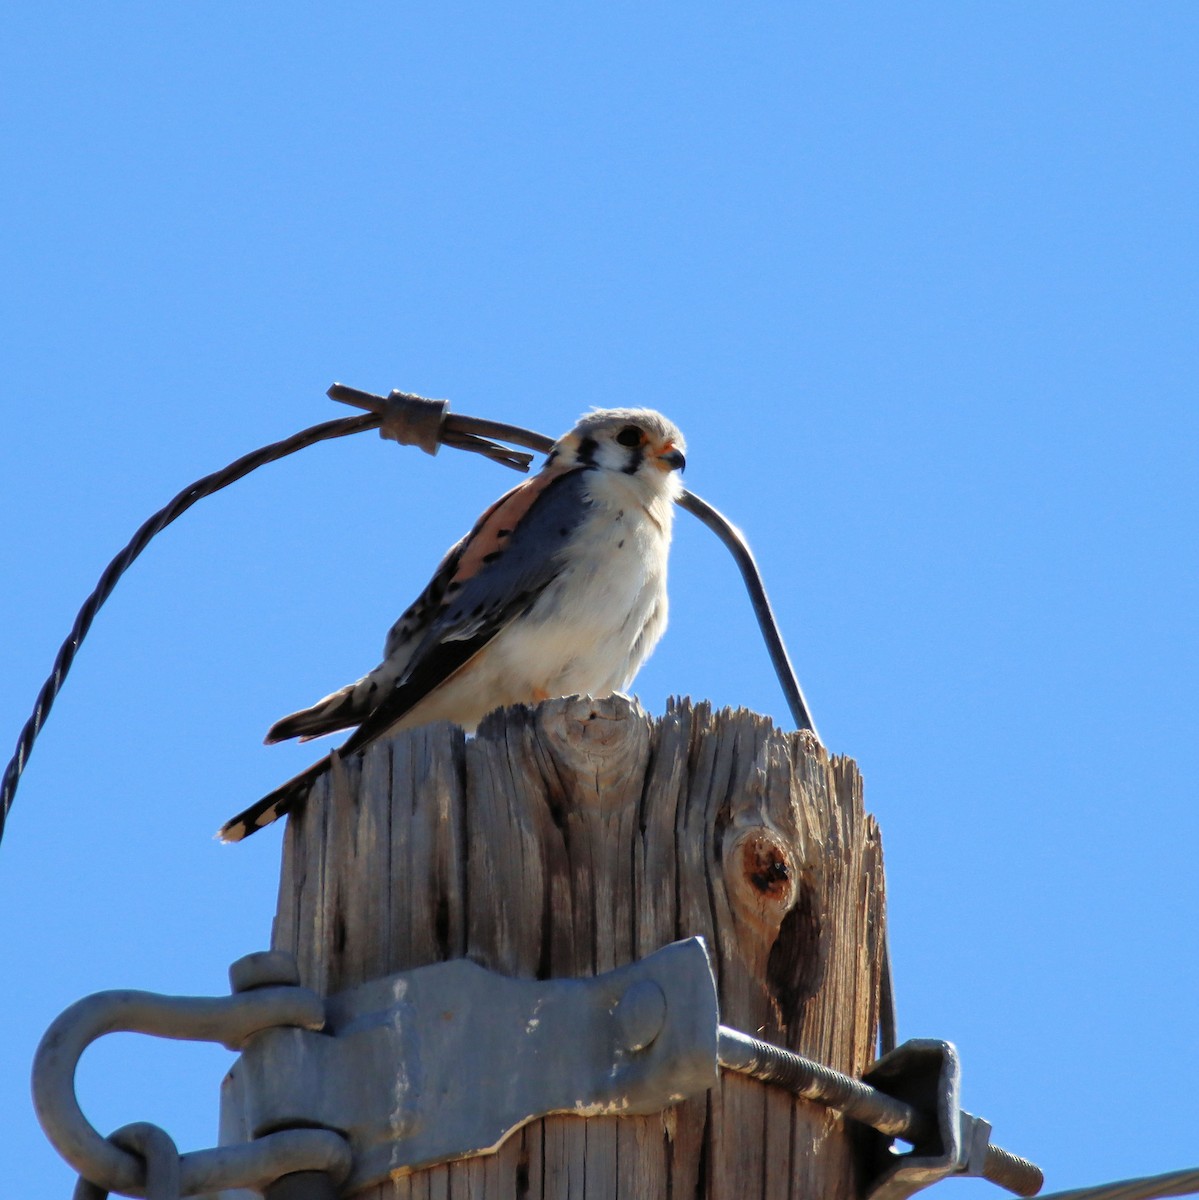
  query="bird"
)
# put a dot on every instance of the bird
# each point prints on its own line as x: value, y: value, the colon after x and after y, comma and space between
x: 558, y: 589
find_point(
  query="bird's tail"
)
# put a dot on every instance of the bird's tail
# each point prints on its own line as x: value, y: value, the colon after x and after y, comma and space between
x: 339, y: 710
x: 274, y: 804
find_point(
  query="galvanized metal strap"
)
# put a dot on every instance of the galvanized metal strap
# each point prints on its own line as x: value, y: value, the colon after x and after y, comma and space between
x: 632, y: 1040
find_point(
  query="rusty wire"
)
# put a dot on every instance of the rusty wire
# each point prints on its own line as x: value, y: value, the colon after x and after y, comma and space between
x: 407, y: 419
x: 124, y: 560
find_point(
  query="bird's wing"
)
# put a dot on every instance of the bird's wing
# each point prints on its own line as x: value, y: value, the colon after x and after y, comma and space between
x: 487, y: 580
x: 486, y: 542
x: 498, y: 571
x: 479, y: 566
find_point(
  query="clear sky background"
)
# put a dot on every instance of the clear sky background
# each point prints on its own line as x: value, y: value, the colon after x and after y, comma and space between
x: 919, y: 283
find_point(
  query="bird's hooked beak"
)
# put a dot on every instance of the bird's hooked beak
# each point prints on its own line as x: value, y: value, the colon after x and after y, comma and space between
x: 670, y: 459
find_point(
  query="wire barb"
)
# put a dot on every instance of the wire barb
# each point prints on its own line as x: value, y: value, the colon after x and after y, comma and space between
x: 415, y: 420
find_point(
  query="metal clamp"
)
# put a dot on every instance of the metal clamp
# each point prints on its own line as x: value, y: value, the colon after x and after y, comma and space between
x: 445, y: 1061
x: 911, y: 1093
x: 426, y: 1066
x: 926, y: 1074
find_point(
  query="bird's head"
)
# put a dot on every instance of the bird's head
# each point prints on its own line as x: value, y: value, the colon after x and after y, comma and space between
x: 637, y: 442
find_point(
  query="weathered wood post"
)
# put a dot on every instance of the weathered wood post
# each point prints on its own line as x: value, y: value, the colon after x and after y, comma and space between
x: 582, y: 835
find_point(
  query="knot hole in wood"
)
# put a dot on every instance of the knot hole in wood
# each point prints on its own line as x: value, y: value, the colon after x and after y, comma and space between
x: 598, y: 747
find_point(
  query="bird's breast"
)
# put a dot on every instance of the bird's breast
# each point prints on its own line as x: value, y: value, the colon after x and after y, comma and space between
x: 592, y: 626
x: 588, y: 630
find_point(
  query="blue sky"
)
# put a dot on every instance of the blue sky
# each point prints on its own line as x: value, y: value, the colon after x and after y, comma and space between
x: 919, y: 283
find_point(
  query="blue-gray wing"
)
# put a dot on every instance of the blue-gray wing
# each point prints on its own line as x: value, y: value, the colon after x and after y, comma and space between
x: 487, y: 580
x: 503, y: 565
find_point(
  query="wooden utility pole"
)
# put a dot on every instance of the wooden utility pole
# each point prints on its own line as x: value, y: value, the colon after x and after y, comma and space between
x: 571, y: 839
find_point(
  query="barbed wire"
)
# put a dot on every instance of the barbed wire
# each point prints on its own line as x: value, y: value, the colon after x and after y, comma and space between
x: 410, y: 420
x: 125, y: 559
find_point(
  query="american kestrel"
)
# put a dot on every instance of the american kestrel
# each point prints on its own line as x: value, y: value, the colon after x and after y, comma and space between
x: 560, y: 588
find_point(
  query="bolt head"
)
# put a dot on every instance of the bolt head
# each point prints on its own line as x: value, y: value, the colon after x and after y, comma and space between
x: 640, y: 1014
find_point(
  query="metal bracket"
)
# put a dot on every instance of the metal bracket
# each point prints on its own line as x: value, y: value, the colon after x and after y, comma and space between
x: 445, y: 1061
x: 424, y: 1066
x: 927, y: 1075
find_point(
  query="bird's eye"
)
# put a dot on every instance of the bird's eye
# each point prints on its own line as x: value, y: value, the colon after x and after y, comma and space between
x: 630, y: 435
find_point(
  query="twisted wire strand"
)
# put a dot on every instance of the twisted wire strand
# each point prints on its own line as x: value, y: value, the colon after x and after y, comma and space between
x: 125, y: 559
x: 1148, y: 1187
